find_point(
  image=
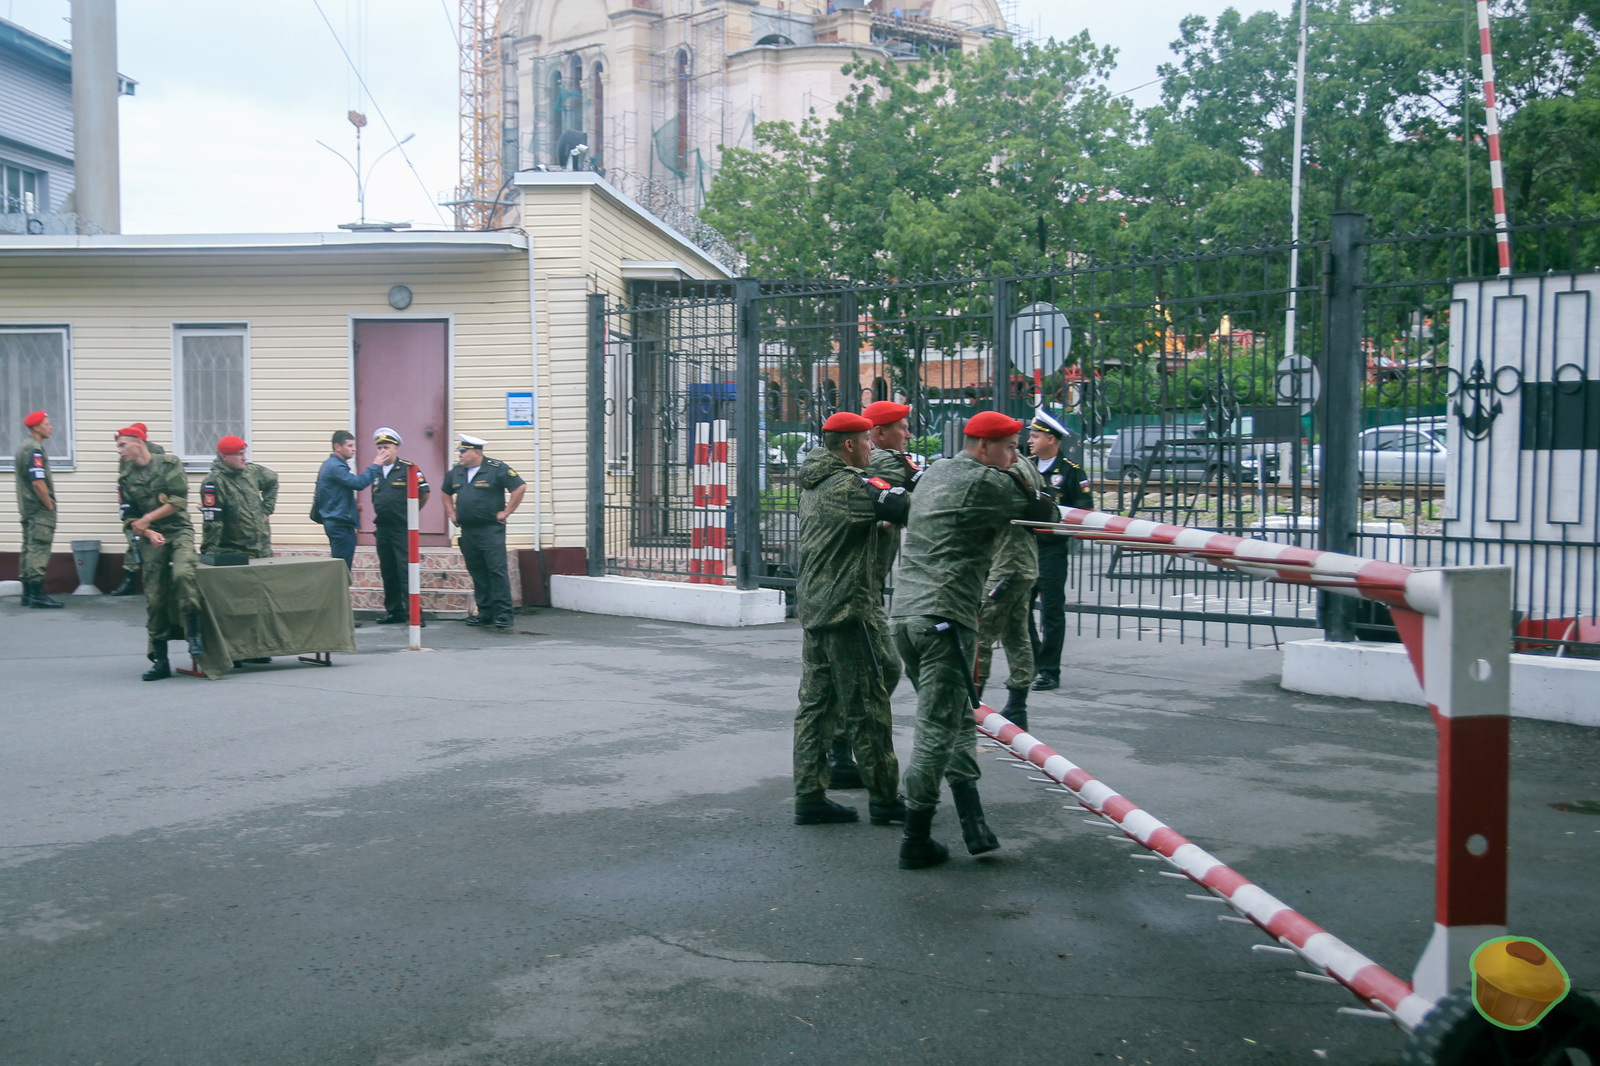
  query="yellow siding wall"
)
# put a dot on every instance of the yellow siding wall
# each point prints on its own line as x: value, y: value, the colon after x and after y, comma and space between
x: 580, y: 236
x: 297, y: 304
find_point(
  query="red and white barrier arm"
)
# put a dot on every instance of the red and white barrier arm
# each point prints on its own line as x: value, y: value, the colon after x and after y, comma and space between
x: 1455, y: 625
x: 1369, y: 981
x: 1491, y: 127
x: 413, y: 557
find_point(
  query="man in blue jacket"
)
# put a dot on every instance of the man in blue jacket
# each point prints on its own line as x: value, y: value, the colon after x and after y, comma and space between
x: 335, y: 502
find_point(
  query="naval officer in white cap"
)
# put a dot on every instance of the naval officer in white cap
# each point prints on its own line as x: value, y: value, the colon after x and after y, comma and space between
x: 479, y: 495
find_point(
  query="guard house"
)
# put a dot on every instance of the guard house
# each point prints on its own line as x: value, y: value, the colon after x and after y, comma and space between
x: 284, y: 338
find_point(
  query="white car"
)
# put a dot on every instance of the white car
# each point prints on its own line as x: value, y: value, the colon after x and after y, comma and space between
x: 1415, y: 453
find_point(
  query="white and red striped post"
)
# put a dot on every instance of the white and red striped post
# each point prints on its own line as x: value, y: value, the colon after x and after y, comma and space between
x: 708, y: 538
x: 414, y: 557
x: 1491, y: 122
x: 1456, y: 627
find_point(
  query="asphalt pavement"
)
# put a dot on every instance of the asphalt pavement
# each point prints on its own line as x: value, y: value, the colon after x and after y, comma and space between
x: 572, y: 843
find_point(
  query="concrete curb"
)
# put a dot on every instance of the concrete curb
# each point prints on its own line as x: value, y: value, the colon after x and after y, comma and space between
x: 669, y: 601
x: 1542, y: 686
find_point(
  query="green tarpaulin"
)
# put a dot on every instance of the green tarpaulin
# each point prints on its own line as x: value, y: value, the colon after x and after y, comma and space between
x: 274, y: 607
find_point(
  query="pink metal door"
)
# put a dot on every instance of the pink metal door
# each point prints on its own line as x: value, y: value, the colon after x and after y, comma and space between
x: 402, y: 380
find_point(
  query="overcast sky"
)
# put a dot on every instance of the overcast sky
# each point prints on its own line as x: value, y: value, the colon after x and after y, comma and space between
x: 222, y: 134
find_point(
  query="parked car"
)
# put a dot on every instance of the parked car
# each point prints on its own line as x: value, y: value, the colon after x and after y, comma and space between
x: 1414, y: 453
x: 1182, y: 453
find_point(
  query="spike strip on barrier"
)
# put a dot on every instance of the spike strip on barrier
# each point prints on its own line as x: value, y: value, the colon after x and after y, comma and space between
x: 1366, y: 979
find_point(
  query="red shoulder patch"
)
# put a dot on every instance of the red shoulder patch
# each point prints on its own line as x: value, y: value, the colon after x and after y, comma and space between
x: 879, y: 483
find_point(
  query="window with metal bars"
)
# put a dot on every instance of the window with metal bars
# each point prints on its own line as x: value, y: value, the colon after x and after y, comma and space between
x: 211, y: 389
x: 36, y: 375
x: 20, y: 190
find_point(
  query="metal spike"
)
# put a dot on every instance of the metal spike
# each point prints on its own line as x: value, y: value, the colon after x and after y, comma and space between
x: 1357, y: 1012
x: 1175, y: 874
x: 1318, y: 977
x: 1121, y: 839
x: 1147, y: 858
x: 1273, y: 949
x: 1205, y: 899
x: 1233, y: 918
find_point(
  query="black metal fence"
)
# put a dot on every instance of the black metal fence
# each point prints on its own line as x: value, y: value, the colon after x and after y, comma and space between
x: 1358, y: 393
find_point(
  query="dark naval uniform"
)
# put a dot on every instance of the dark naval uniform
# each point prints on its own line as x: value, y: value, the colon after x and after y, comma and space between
x: 390, y: 533
x: 483, y: 536
x: 31, y: 465
x: 172, y: 595
x: 1068, y: 485
x: 233, y: 510
x: 848, y: 667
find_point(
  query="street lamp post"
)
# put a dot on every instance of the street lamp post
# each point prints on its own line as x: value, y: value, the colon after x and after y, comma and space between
x: 358, y: 120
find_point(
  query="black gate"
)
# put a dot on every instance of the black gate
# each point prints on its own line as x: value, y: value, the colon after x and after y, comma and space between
x: 1304, y: 394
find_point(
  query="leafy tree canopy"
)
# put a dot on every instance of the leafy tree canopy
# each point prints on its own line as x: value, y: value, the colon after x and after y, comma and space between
x: 963, y: 162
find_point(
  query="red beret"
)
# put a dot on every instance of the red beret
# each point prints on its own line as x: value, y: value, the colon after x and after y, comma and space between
x: 991, y: 425
x: 231, y: 445
x: 885, y: 412
x: 135, y: 430
x: 34, y: 419
x: 846, y: 422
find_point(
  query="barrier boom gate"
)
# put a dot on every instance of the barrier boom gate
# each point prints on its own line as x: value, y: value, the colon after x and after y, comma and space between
x: 1455, y: 624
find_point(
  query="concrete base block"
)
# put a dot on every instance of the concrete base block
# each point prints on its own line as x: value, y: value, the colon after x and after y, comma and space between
x: 1542, y: 686
x: 10, y: 588
x: 670, y: 601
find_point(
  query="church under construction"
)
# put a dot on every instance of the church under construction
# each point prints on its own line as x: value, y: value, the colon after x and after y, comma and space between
x: 649, y: 92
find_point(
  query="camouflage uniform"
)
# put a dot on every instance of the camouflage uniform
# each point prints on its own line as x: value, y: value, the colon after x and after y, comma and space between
x: 234, y: 512
x: 847, y: 668
x: 958, y: 512
x: 133, y: 560
x: 32, y: 465
x: 897, y: 469
x: 1005, y: 617
x: 168, y: 569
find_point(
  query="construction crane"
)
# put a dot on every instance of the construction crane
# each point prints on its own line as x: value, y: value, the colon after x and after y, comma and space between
x: 477, y: 203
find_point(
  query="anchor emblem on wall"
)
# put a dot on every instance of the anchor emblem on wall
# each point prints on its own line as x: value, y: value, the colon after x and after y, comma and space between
x: 1476, y: 421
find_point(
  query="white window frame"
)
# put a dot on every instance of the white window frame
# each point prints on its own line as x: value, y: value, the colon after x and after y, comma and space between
x: 62, y: 421
x: 180, y: 330
x: 41, y: 190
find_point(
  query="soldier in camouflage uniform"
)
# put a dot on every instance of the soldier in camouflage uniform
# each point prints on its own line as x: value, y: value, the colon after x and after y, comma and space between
x: 232, y: 503
x: 1008, y: 605
x: 155, y: 498
x: 847, y: 671
x: 889, y: 435
x: 36, y: 505
x: 961, y: 506
x: 130, y: 561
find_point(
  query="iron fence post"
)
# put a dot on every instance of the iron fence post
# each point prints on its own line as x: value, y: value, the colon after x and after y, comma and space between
x: 596, y: 457
x: 747, y: 415
x: 850, y: 352
x: 1344, y: 369
x: 1002, y: 345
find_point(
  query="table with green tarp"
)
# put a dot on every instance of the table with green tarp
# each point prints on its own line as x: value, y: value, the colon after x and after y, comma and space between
x: 274, y: 607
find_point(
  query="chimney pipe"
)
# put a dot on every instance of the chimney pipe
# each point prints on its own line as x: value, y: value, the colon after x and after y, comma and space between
x: 97, y: 188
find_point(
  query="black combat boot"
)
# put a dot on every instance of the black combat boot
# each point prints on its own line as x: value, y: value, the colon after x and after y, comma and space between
x: 917, y: 848
x: 126, y: 588
x: 160, y: 668
x: 822, y: 811
x: 887, y: 813
x: 974, y: 830
x: 191, y: 630
x: 26, y: 599
x: 34, y: 594
x: 1017, y: 707
x: 842, y: 769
